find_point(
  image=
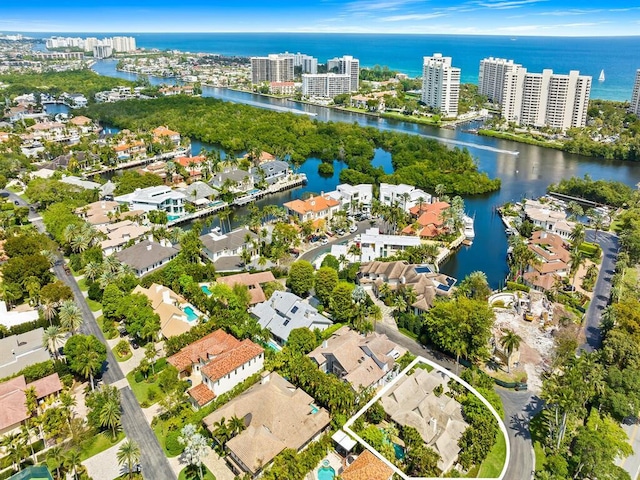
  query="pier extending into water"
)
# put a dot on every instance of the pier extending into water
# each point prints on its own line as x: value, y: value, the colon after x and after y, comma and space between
x: 216, y: 207
x: 298, y: 180
x: 138, y: 162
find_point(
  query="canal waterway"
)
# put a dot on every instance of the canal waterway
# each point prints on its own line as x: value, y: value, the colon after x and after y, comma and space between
x: 525, y: 171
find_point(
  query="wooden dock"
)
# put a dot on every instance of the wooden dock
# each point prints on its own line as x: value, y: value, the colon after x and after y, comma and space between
x: 205, y: 212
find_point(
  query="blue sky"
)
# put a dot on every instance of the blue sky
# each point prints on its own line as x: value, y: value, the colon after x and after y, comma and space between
x: 485, y: 17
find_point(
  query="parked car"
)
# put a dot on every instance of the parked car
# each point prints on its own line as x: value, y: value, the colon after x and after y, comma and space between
x: 324, y: 241
x: 134, y: 344
x: 353, y: 228
x: 341, y: 232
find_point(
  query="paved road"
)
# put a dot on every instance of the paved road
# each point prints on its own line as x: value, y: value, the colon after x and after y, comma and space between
x: 602, y: 290
x: 154, y: 462
x: 314, y: 252
x: 519, y: 407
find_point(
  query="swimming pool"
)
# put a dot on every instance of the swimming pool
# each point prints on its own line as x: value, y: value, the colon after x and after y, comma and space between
x: 205, y: 289
x: 192, y: 316
x: 274, y: 346
x: 326, y: 473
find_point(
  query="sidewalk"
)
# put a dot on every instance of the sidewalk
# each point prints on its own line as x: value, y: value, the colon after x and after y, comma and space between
x: 387, y: 318
x: 104, y: 466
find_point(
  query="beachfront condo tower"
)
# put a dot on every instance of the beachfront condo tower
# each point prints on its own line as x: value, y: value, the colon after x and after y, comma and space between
x: 546, y: 99
x: 491, y: 77
x: 273, y: 68
x: 441, y: 84
x: 635, y: 97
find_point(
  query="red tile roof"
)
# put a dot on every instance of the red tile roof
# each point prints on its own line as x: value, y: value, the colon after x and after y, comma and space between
x: 213, y: 344
x: 185, y: 161
x: 201, y: 394
x: 367, y: 467
x: 313, y: 204
x: 228, y: 361
x: 47, y: 386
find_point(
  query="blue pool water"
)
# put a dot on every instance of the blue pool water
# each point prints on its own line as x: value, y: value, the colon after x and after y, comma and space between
x: 399, y: 449
x: 172, y: 217
x: 326, y: 473
x: 191, y: 314
x: 314, y: 409
x: 206, y: 290
x: 274, y: 346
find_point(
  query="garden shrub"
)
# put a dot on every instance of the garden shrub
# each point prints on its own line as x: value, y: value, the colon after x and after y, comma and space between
x: 174, y: 447
x: 517, y: 287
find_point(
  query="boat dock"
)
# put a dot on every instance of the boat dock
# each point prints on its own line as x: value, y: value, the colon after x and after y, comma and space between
x: 217, y: 206
x: 139, y: 162
x: 298, y: 180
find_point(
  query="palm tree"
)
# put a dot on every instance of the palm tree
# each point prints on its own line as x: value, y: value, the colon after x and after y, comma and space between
x: 73, y: 461
x: 577, y: 260
x: 32, y: 286
x: 510, y: 342
x: 49, y: 310
x: 577, y: 235
x: 236, y: 425
x: 597, y: 221
x: 54, y: 457
x: 107, y: 277
x: 52, y: 339
x: 15, y: 449
x: 92, y: 270
x: 128, y: 454
x: 111, y: 263
x: 440, y: 189
x: 110, y: 413
x: 70, y: 316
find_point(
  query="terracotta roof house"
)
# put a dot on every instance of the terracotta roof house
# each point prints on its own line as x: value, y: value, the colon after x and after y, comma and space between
x: 163, y: 132
x: 367, y: 467
x: 438, y: 419
x: 429, y: 218
x: 314, y: 208
x: 553, y: 258
x: 193, y: 165
x: 170, y: 307
x: 277, y: 415
x: 362, y: 361
x: 20, y: 351
x: 147, y: 256
x: 13, y: 398
x: 424, y: 281
x: 284, y: 312
x: 218, y: 361
x: 253, y: 281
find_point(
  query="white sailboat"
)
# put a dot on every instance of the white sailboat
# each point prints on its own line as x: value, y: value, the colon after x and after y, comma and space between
x: 601, y: 77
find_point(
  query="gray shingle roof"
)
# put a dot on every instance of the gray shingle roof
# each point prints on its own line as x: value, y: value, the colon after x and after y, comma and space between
x: 145, y: 254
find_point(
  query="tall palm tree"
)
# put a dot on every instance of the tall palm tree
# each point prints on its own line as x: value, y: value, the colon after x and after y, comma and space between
x: 52, y: 339
x: 15, y: 449
x: 577, y: 235
x: 110, y: 414
x: 111, y: 263
x: 236, y: 425
x: 49, y: 311
x: 128, y: 454
x: 597, y: 222
x: 510, y: 342
x: 577, y: 260
x: 32, y: 286
x: 106, y: 278
x: 54, y: 457
x: 70, y: 316
x: 73, y: 461
x: 92, y: 270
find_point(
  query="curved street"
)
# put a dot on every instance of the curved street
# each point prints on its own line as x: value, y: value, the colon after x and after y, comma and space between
x: 154, y: 461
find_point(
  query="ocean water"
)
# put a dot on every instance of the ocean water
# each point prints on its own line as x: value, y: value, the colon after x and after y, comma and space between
x: 619, y: 57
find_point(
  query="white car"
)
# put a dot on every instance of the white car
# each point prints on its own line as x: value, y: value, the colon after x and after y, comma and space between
x: 353, y: 228
x: 324, y: 241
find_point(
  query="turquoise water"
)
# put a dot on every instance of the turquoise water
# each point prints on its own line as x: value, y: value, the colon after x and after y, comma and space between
x: 326, y: 473
x: 274, y: 346
x: 172, y: 217
x: 206, y: 290
x: 191, y: 314
x: 399, y: 449
x: 314, y: 409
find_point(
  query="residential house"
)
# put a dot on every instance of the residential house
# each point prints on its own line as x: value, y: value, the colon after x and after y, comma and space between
x: 215, y: 364
x: 13, y: 399
x: 49, y: 131
x: 119, y: 234
x: 20, y: 314
x: 198, y: 193
x: 253, y: 281
x: 422, y: 279
x: 20, y: 351
x: 402, y: 195
x: 277, y: 415
x: 553, y: 260
x: 357, y: 197
x: 429, y: 220
x: 284, y: 312
x: 319, y: 209
x: 263, y: 157
x: 193, y: 166
x: 282, y: 88
x: 553, y: 221
x: 82, y: 160
x: 176, y: 90
x: 271, y: 171
x: 147, y: 256
x: 367, y: 467
x: 104, y: 211
x: 160, y: 197
x: 170, y: 307
x: 163, y: 132
x: 159, y: 168
x: 374, y: 245
x: 438, y: 418
x: 217, y: 245
x: 234, y: 179
x: 362, y: 361
x: 78, y: 182
x: 85, y: 124
x: 130, y: 149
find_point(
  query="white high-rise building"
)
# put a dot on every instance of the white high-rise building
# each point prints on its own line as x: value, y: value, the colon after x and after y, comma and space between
x: 124, y: 44
x: 635, y: 96
x: 102, y: 51
x: 273, y: 68
x: 326, y: 85
x: 491, y: 77
x: 307, y: 63
x: 441, y: 84
x: 546, y: 99
x: 350, y: 66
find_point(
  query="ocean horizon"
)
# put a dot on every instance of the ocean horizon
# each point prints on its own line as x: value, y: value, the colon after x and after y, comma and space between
x: 619, y: 57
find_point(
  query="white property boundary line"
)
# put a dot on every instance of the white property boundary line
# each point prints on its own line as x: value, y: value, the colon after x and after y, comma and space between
x: 503, y: 429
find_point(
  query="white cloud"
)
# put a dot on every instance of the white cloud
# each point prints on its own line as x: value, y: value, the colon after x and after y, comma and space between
x: 412, y: 16
x: 379, y: 5
x: 503, y: 5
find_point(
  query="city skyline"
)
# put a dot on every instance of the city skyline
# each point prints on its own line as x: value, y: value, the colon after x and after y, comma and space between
x: 472, y: 17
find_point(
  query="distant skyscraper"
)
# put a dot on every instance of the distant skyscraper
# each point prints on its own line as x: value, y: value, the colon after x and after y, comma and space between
x: 350, y: 66
x: 635, y: 97
x: 491, y: 77
x: 124, y: 44
x: 307, y: 63
x: 546, y: 99
x: 441, y: 84
x: 273, y: 68
x: 102, y: 51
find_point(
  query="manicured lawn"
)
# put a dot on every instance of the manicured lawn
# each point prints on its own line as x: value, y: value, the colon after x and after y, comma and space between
x: 207, y: 475
x: 93, y: 305
x: 409, y: 334
x: 492, y: 465
x: 141, y: 390
x: 98, y: 444
x: 82, y: 283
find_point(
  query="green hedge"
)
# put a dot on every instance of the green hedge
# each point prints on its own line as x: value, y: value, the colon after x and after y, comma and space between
x: 590, y: 250
x: 518, y: 287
